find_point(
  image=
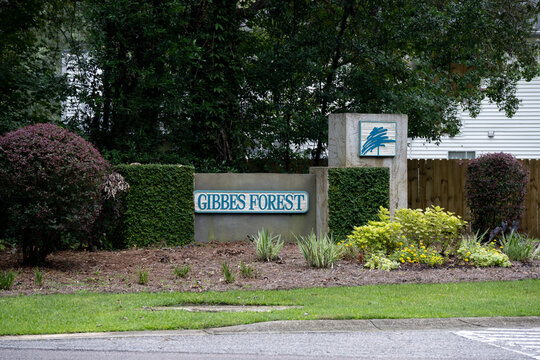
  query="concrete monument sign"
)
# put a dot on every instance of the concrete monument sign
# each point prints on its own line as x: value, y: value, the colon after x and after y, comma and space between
x: 229, y: 207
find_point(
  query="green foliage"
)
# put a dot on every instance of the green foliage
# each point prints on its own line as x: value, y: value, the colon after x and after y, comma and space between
x: 496, y: 186
x: 519, y: 248
x: 432, y: 227
x: 350, y: 204
x: 247, y: 271
x: 267, y: 246
x: 225, y: 79
x: 181, y: 271
x: 38, y: 276
x: 31, y: 87
x: 473, y: 252
x: 158, y: 207
x: 320, y: 251
x: 228, y: 275
x: 420, y: 254
x: 383, y: 235
x: 379, y: 260
x: 142, y: 276
x: 6, y: 279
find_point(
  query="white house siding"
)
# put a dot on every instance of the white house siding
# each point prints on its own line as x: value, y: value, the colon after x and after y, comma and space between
x: 519, y: 135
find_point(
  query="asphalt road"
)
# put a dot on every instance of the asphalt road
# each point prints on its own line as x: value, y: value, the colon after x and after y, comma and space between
x: 305, y: 340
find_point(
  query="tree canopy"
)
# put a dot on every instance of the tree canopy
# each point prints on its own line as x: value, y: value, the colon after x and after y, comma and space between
x: 217, y: 82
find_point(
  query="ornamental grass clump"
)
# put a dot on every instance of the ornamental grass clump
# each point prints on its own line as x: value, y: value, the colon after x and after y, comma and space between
x: 267, y: 245
x: 319, y: 251
x: 6, y: 279
x: 228, y: 275
x: 50, y: 185
x: 181, y: 271
x: 519, y: 248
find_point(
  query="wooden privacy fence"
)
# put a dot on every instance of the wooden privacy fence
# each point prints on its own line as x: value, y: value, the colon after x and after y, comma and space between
x: 442, y: 182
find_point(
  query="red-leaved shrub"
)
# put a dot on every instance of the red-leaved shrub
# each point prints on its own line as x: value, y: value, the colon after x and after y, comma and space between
x: 50, y: 185
x: 496, y: 186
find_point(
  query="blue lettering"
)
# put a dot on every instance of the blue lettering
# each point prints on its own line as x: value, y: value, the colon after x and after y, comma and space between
x: 261, y: 197
x: 242, y: 202
x: 215, y: 202
x: 200, y: 203
x: 280, y: 201
x: 252, y: 201
x: 271, y: 200
x: 299, y: 198
x: 289, y: 200
x: 224, y: 201
x: 233, y: 201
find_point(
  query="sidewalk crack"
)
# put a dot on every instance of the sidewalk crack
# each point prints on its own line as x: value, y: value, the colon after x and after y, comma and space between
x: 376, y: 327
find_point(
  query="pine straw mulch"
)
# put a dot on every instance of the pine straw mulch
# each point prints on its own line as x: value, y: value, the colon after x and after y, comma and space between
x: 117, y: 271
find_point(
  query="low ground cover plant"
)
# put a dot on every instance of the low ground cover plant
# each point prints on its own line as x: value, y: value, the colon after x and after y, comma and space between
x: 267, y: 245
x: 319, y: 251
x: 472, y: 251
x: 379, y: 260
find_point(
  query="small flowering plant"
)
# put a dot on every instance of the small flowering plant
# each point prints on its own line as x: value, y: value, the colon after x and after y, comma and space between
x: 421, y: 255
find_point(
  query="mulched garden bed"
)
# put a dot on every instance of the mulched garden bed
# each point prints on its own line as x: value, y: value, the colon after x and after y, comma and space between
x: 117, y: 271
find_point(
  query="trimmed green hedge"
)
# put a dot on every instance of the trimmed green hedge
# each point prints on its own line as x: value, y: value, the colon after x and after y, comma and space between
x: 158, y: 207
x: 354, y: 197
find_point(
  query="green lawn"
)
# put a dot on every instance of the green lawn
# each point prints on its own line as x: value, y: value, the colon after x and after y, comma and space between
x: 86, y: 312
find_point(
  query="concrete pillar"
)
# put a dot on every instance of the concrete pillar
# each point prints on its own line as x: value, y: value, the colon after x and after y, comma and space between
x: 321, y: 202
x: 344, y: 132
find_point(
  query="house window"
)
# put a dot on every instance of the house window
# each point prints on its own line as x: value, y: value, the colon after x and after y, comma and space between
x: 461, y: 154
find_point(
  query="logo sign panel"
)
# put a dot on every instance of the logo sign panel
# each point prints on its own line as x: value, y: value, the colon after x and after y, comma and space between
x: 377, y: 138
x: 251, y: 202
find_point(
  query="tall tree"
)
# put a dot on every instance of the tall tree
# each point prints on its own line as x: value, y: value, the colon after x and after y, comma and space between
x: 31, y: 86
x: 427, y: 59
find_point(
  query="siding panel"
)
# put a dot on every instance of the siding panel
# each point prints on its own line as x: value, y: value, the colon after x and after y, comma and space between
x: 519, y: 135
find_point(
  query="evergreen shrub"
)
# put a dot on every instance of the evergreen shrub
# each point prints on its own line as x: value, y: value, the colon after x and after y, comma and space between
x: 354, y: 197
x: 50, y: 188
x: 496, y: 186
x: 158, y: 207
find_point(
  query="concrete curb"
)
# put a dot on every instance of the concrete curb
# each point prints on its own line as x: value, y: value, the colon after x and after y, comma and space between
x: 305, y: 326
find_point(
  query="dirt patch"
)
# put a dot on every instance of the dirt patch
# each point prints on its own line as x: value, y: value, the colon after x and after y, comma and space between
x: 117, y: 271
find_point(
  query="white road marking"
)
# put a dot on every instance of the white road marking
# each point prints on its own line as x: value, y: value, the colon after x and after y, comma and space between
x: 521, y: 341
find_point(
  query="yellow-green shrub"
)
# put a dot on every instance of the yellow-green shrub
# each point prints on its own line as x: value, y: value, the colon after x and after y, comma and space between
x: 383, y: 235
x: 432, y: 227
